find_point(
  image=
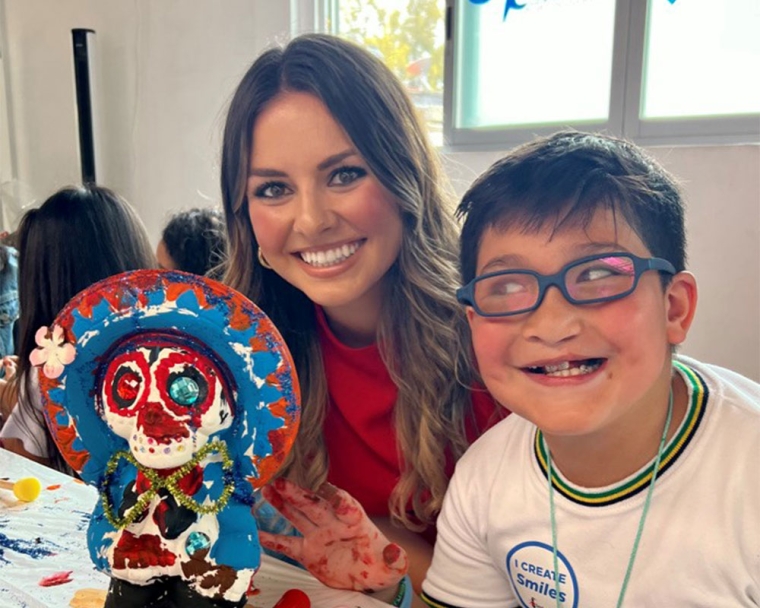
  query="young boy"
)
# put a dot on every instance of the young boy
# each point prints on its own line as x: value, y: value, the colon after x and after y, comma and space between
x: 576, y: 294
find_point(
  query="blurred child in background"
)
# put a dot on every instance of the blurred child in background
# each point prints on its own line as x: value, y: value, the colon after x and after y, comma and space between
x: 77, y: 237
x: 193, y: 240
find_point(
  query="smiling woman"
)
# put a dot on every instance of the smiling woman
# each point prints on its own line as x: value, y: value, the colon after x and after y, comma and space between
x: 338, y: 229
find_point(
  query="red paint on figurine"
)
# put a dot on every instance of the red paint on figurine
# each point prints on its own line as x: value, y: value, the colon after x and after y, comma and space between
x: 141, y: 551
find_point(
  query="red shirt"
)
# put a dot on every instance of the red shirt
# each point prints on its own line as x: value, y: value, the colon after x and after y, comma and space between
x: 359, y: 430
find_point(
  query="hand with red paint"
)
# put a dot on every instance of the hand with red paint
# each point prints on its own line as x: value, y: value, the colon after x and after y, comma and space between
x: 340, y: 546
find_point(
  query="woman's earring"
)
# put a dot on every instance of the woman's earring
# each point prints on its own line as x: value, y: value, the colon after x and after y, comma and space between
x: 263, y: 260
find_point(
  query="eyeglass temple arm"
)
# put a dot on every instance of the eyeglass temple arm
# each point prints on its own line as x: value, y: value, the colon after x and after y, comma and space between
x: 661, y: 265
x: 463, y: 296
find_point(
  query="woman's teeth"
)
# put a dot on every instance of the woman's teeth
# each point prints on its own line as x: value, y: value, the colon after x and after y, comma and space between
x: 568, y: 368
x: 330, y: 257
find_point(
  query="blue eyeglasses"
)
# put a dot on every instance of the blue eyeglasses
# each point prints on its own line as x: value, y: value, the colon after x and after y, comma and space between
x: 596, y: 278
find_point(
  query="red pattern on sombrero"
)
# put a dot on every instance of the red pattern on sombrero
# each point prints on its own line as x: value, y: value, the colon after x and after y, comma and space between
x: 239, y: 319
x: 63, y: 435
x: 176, y: 290
x: 281, y: 440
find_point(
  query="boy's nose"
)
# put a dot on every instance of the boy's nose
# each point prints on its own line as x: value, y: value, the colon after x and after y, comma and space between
x: 312, y: 214
x: 555, y: 321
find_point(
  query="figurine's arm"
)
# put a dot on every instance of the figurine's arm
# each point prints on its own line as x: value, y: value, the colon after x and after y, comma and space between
x: 237, y: 529
x: 231, y: 559
x: 102, y: 532
x: 236, y: 525
x: 100, y: 536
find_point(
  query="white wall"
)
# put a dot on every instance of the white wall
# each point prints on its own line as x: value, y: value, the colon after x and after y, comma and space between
x: 168, y: 68
x: 166, y: 71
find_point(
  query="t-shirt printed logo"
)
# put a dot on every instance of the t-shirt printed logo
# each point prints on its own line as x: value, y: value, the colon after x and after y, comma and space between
x: 530, y: 566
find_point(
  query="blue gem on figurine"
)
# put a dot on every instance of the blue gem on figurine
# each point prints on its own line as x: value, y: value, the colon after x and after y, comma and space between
x: 176, y: 397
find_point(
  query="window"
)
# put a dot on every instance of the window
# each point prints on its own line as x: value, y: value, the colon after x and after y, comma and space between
x: 702, y: 59
x: 550, y: 65
x: 655, y: 71
x: 409, y: 36
x: 695, y: 72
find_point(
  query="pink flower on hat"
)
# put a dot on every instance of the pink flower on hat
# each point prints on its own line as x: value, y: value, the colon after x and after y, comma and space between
x: 52, y: 353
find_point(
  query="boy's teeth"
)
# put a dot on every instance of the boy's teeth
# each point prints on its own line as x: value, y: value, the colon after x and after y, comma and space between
x: 567, y: 368
x: 573, y: 371
x: 322, y: 259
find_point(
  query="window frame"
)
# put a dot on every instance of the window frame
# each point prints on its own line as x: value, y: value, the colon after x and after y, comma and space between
x: 723, y: 130
x: 314, y: 16
x: 629, y: 39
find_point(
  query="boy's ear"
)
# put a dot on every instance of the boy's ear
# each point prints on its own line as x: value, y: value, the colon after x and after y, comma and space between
x: 471, y: 314
x: 470, y: 311
x: 680, y: 306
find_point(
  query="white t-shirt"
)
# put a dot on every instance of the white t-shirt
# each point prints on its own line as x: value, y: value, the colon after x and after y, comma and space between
x: 22, y: 425
x: 701, y: 541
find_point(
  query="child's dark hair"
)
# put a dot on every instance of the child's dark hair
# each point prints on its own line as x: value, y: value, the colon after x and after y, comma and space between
x: 195, y: 239
x: 562, y: 180
x: 77, y: 237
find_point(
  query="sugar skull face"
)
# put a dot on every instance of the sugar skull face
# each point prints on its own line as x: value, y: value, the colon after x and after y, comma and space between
x: 165, y: 399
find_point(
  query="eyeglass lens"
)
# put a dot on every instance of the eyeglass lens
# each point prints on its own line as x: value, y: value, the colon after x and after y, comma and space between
x: 601, y: 278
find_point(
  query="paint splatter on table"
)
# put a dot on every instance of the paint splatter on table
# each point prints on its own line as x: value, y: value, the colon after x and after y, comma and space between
x: 49, y: 535
x: 44, y: 537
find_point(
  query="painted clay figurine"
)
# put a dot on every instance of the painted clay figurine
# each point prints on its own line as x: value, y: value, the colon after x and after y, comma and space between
x: 177, y: 398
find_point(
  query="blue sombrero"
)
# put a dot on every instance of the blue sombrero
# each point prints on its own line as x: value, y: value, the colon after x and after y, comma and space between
x: 234, y: 332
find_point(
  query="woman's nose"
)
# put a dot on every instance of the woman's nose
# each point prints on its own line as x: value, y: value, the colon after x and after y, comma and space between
x: 313, y: 214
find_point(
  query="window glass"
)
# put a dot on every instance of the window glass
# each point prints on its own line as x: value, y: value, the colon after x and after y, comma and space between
x: 702, y: 58
x: 533, y: 62
x: 521, y: 67
x: 408, y: 35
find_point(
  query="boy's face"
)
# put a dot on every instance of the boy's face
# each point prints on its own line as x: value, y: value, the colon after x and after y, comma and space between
x: 618, y: 351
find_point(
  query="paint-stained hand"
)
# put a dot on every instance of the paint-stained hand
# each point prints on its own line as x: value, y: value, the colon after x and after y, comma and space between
x: 340, y: 545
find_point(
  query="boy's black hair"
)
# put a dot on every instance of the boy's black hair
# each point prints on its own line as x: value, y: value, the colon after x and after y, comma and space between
x: 562, y: 180
x: 195, y: 239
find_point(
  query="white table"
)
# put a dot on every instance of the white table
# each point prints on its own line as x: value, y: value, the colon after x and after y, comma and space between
x: 48, y: 535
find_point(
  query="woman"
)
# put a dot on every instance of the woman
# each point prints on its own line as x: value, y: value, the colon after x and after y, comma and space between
x: 339, y: 229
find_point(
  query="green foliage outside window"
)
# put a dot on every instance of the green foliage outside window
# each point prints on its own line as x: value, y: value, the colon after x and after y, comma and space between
x: 409, y: 39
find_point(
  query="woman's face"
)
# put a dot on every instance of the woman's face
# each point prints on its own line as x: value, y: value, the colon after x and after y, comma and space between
x: 322, y: 219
